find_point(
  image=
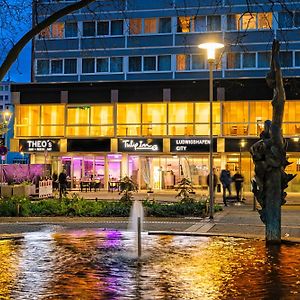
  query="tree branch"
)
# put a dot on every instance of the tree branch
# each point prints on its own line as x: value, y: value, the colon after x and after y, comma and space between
x: 17, y: 48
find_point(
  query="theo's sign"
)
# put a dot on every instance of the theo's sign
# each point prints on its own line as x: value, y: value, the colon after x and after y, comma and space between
x: 140, y: 145
x: 191, y: 145
x: 39, y: 145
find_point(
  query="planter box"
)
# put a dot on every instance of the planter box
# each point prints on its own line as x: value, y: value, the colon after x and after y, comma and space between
x: 6, y: 190
x: 23, y: 190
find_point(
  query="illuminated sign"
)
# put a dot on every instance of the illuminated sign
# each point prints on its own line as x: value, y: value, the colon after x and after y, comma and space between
x: 140, y: 145
x: 39, y: 145
x: 191, y: 145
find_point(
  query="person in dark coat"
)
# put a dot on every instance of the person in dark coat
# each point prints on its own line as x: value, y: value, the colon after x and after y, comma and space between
x: 62, y: 180
x: 226, y: 180
x: 238, y: 180
x: 54, y: 181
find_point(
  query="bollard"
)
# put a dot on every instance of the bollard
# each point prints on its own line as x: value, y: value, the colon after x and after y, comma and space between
x: 254, y: 203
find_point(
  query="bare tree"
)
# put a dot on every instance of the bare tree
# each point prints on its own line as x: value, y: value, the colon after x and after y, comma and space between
x: 36, y: 29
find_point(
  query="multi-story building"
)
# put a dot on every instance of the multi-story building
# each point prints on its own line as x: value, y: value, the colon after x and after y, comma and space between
x: 122, y: 88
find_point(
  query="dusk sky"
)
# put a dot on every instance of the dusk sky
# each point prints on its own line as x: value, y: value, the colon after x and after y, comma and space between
x: 20, y: 71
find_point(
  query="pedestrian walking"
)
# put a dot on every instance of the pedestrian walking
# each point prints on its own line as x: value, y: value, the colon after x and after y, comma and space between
x: 226, y: 180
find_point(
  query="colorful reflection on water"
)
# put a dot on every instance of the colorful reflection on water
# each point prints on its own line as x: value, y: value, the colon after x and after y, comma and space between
x: 101, y: 264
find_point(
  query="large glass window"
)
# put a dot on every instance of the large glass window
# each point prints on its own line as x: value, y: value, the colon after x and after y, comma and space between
x: 102, y: 115
x: 102, y: 64
x: 88, y: 29
x: 135, y: 26
x: 88, y: 65
x: 27, y: 120
x: 259, y: 112
x: 129, y: 113
x: 202, y: 126
x: 135, y: 64
x: 164, y: 63
x: 233, y: 22
x: 164, y: 25
x: 150, y: 25
x: 78, y: 115
x: 249, y: 60
x: 233, y: 60
x: 116, y: 27
x: 285, y: 19
x: 213, y: 23
x: 264, y: 59
x: 70, y: 66
x: 57, y: 66
x: 45, y: 33
x: 235, y: 118
x: 103, y: 28
x: 249, y: 21
x: 52, y: 120
x: 71, y: 29
x: 264, y: 20
x: 58, y: 30
x: 182, y: 62
x: 154, y: 113
x: 42, y: 66
x: 116, y: 64
x: 180, y: 112
x: 297, y: 58
x: 149, y: 63
x: 286, y: 58
x: 198, y: 62
x: 184, y: 24
x: 200, y: 24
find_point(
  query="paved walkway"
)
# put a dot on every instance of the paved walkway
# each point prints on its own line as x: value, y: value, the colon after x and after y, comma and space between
x: 237, y: 220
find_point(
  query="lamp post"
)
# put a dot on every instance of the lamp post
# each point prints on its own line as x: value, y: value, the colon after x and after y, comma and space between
x: 6, y: 116
x: 211, y: 47
x: 242, y: 145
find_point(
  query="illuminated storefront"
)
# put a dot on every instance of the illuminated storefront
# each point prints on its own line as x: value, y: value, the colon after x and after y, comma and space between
x: 152, y: 137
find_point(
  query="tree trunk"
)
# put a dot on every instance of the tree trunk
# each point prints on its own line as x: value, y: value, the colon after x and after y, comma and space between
x: 17, y: 48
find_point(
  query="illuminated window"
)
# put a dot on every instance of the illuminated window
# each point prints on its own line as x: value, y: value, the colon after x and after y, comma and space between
x: 52, y: 114
x: 45, y: 33
x: 78, y: 115
x: 259, y: 112
x: 152, y: 129
x: 77, y: 131
x: 184, y: 24
x: 101, y: 131
x: 150, y: 25
x: 235, y: 117
x: 129, y: 113
x: 102, y: 115
x: 264, y: 20
x: 154, y: 113
x: 135, y: 26
x: 181, y: 113
x: 202, y: 112
x: 27, y: 120
x: 249, y: 21
x: 182, y: 62
x: 58, y: 30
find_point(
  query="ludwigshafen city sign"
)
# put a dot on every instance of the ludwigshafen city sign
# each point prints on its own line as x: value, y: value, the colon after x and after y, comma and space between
x: 191, y: 145
x: 140, y: 145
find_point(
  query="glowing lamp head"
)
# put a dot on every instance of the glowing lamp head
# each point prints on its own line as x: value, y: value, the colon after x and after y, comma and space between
x: 243, y: 143
x: 211, y: 49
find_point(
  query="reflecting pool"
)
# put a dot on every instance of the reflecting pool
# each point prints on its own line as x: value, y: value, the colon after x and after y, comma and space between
x: 102, y: 264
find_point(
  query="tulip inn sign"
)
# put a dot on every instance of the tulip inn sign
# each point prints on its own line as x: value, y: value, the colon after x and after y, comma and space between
x: 140, y: 145
x: 39, y: 145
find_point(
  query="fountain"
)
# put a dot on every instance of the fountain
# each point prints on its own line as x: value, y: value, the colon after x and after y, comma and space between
x: 136, y: 224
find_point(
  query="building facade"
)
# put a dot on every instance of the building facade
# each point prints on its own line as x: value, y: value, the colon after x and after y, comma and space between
x: 122, y: 89
x: 155, y: 132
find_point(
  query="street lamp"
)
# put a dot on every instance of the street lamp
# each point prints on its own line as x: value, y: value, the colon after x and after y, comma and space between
x: 211, y: 48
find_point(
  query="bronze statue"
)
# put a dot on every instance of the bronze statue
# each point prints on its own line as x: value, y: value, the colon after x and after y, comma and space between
x: 269, y: 156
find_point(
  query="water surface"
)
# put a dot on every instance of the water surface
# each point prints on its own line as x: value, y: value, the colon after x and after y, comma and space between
x: 102, y: 264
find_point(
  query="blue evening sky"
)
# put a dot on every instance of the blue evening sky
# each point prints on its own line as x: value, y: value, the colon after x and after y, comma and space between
x: 20, y: 71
